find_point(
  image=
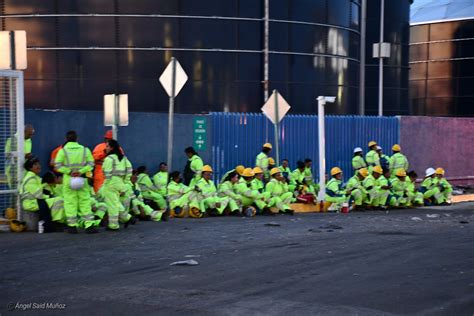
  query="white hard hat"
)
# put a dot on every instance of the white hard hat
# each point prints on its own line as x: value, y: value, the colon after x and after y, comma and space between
x: 77, y: 183
x: 357, y: 150
x: 429, y: 172
x: 379, y: 148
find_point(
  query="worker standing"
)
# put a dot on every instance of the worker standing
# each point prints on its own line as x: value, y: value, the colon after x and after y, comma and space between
x: 74, y: 161
x: 358, y: 161
x: 398, y: 160
x: 372, y: 157
x: 99, y: 154
x: 193, y: 168
x: 261, y: 160
x: 384, y: 159
x: 11, y: 148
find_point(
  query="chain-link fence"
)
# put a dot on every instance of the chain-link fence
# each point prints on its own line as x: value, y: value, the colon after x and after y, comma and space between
x: 11, y: 138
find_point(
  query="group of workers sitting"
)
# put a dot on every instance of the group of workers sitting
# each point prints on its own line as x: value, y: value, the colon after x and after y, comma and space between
x: 73, y: 196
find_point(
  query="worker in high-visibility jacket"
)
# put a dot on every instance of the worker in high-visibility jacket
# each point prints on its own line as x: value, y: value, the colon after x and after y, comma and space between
x: 384, y: 159
x: 52, y: 185
x: 257, y: 181
x: 286, y: 171
x: 148, y: 189
x: 386, y: 197
x: 398, y: 160
x: 335, y: 193
x: 358, y: 161
x: 11, y: 148
x: 50, y: 209
x: 444, y: 186
x: 414, y: 196
x: 117, y: 170
x: 277, y: 189
x: 160, y: 179
x: 358, y: 192
x: 227, y: 190
x: 99, y: 153
x: 207, y: 199
x: 193, y: 168
x: 138, y: 206
x: 378, y: 191
x: 238, y: 169
x: 74, y: 161
x: 261, y: 160
x: 400, y: 189
x: 308, y: 177
x: 430, y: 189
x: 372, y: 158
x: 179, y: 195
x: 250, y: 197
x: 298, y: 176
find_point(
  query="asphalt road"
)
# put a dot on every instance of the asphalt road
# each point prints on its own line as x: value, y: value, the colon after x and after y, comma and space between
x: 372, y: 263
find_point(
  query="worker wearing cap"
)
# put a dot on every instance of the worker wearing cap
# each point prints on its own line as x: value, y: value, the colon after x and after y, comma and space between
x: 372, y: 157
x: 384, y: 159
x: 400, y: 189
x: 179, y: 195
x: 398, y: 160
x: 279, y: 196
x: 75, y: 160
x: 444, y: 186
x: 334, y: 190
x: 430, y: 189
x: 355, y: 184
x: 249, y: 196
x: 262, y: 159
x: 374, y: 193
x: 192, y: 170
x: 238, y: 169
x: 227, y: 190
x: 358, y: 161
x: 414, y: 196
x: 148, y: 189
x: 99, y: 155
x: 160, y: 179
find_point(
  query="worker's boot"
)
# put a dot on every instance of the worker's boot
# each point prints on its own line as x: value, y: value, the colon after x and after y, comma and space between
x: 72, y: 230
x: 91, y: 230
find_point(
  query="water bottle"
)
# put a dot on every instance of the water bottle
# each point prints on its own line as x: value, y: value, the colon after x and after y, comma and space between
x: 40, y: 227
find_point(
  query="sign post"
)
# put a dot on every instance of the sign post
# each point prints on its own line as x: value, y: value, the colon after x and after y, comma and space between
x: 172, y: 79
x: 275, y: 109
x: 115, y: 112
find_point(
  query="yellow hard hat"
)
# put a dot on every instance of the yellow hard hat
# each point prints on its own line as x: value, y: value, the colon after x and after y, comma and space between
x: 401, y: 173
x: 439, y: 171
x: 17, y: 226
x: 248, y: 172
x: 335, y: 171
x: 364, y: 172
x: 239, y: 169
x: 194, y: 212
x: 378, y: 169
x: 206, y: 168
x: 10, y: 213
x: 372, y: 143
x: 274, y: 171
x: 271, y: 161
x: 257, y: 170
x: 267, y: 145
x: 396, y: 147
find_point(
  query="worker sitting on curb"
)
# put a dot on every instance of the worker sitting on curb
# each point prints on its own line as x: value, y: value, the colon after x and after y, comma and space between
x: 334, y: 191
x: 400, y: 188
x: 278, y: 192
x: 139, y: 207
x: 271, y: 165
x: 358, y: 161
x: 148, y: 189
x: 179, y: 195
x: 252, y: 201
x: 160, y: 179
x: 371, y: 185
x: 444, y: 186
x: 386, y: 197
x: 358, y: 193
x: 286, y: 172
x: 414, y: 196
x: 372, y: 157
x: 398, y: 160
x: 308, y: 177
x: 257, y: 182
x: 227, y: 190
x: 430, y: 189
x: 238, y: 169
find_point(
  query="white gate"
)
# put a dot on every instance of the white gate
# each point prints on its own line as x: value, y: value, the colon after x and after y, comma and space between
x: 11, y: 139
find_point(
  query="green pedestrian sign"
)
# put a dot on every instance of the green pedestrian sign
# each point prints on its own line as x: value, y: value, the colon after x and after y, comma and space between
x: 200, y: 133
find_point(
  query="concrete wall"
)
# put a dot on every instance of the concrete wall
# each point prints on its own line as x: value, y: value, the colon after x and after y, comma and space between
x: 144, y: 140
x: 439, y: 142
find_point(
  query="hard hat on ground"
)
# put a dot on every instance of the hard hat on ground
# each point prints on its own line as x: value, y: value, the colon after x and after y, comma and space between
x: 364, y: 172
x: 372, y: 143
x: 77, y: 183
x: 396, y: 147
x: 206, y: 168
x: 267, y: 145
x: 274, y: 171
x: 194, y: 212
x: 439, y: 171
x: 377, y: 169
x: 335, y: 170
x: 271, y: 161
x: 239, y: 169
x: 257, y: 170
x: 401, y: 173
x: 429, y: 172
x: 17, y: 226
x: 248, y: 172
x: 357, y: 150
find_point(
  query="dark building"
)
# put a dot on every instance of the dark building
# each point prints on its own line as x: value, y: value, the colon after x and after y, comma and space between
x: 80, y: 50
x: 442, y: 58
